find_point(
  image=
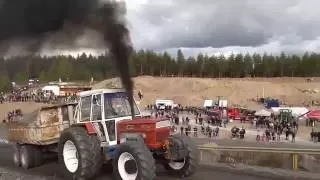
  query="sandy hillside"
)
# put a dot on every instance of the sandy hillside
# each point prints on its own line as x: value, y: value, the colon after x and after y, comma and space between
x: 193, y: 91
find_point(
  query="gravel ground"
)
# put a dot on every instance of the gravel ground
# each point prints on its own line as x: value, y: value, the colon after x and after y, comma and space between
x: 219, y: 171
x: 49, y: 171
x: 6, y: 174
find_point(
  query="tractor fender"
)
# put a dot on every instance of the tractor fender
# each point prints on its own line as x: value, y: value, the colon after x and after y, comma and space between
x: 128, y: 137
x: 88, y: 126
x: 93, y: 128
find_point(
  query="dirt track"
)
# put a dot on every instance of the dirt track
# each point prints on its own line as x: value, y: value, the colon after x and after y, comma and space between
x: 50, y: 170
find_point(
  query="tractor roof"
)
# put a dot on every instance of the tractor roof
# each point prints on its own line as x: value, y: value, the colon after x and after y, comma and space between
x: 100, y: 91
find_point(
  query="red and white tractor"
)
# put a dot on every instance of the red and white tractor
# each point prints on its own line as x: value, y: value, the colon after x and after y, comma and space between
x: 103, y: 131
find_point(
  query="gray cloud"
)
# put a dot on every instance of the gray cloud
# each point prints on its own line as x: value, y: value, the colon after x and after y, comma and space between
x: 226, y: 25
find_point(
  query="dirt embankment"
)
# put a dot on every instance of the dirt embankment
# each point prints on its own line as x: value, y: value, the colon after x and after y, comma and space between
x: 193, y: 91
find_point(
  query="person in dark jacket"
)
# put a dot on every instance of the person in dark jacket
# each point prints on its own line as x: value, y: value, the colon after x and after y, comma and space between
x: 313, y: 136
x: 217, y: 131
x: 242, y: 133
x: 140, y: 94
x: 268, y: 134
x: 186, y: 130
x: 200, y: 120
x: 176, y: 120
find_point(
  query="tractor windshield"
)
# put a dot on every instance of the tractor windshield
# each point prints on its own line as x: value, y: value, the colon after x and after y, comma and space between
x: 117, y: 105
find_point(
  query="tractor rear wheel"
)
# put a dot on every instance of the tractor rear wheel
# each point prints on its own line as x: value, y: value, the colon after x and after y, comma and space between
x: 79, y: 154
x: 16, y: 155
x: 134, y: 161
x: 27, y: 156
x: 187, y: 166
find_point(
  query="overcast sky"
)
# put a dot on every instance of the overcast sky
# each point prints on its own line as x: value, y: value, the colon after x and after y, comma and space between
x: 224, y: 26
x: 220, y: 26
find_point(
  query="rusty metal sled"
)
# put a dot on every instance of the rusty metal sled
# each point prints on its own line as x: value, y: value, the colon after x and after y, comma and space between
x: 41, y: 127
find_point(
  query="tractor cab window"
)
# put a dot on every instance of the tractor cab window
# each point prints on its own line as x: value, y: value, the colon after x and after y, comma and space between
x: 117, y: 105
x: 96, y: 107
x: 85, y: 108
x: 111, y: 129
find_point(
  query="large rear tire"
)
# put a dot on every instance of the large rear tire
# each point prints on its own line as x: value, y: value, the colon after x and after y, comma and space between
x: 134, y: 161
x: 27, y: 156
x: 38, y: 156
x: 187, y: 166
x: 16, y: 155
x: 79, y: 154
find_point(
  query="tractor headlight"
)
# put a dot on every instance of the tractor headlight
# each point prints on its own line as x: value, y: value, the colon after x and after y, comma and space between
x: 162, y: 124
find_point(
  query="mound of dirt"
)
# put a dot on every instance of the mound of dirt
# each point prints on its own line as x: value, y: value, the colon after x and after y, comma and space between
x: 108, y: 83
x: 193, y: 91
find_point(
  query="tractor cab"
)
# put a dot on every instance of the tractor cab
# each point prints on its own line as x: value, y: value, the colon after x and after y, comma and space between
x: 101, y: 110
x: 107, y: 113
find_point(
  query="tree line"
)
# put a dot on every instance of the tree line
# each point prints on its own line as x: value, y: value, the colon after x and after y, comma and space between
x: 145, y: 62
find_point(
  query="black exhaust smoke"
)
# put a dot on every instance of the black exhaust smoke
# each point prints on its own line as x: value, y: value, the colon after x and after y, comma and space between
x: 27, y: 25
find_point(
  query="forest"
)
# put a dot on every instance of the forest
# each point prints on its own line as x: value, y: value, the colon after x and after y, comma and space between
x: 145, y: 62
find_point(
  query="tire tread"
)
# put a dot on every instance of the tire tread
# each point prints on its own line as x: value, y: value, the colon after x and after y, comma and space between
x: 143, y: 156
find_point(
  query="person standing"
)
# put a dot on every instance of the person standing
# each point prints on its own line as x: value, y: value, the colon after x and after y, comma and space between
x: 181, y: 130
x: 210, y: 132
x: 195, y: 131
x: 200, y: 120
x: 294, y: 133
x: 242, y: 133
x: 140, y: 94
x: 278, y: 134
x: 186, y: 130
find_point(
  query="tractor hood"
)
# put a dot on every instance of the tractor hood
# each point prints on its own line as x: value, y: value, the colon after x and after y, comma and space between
x: 144, y: 123
x: 155, y: 131
x: 144, y: 120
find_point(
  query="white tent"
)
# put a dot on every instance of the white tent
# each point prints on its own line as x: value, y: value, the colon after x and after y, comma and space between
x: 296, y: 111
x: 262, y: 112
x: 208, y: 103
x: 55, y: 89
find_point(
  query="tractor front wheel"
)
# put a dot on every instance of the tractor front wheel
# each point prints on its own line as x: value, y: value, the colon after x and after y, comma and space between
x: 187, y: 166
x: 133, y: 161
